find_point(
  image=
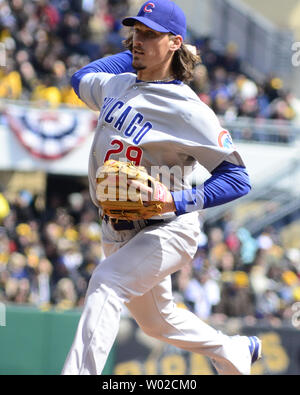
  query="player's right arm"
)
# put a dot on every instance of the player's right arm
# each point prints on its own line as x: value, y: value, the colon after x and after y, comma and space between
x: 90, y: 79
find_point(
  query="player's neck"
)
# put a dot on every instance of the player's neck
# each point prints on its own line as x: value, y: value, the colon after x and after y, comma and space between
x: 166, y: 79
x: 156, y: 75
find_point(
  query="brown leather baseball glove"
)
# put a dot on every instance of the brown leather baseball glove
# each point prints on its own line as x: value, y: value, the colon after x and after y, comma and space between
x: 125, y: 191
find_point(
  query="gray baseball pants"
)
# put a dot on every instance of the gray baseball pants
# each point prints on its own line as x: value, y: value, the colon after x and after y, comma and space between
x: 136, y: 271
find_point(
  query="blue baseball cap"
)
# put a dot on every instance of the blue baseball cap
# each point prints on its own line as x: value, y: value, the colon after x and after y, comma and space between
x: 161, y: 15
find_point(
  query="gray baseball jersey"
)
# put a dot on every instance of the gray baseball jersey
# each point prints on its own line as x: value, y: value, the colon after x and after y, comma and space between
x: 153, y: 125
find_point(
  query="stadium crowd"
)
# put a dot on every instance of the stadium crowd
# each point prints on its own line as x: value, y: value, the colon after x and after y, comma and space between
x: 48, y: 252
x: 47, y: 40
x: 47, y: 255
x: 236, y: 274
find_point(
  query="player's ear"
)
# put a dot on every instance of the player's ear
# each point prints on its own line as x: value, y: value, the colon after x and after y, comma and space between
x: 175, y: 42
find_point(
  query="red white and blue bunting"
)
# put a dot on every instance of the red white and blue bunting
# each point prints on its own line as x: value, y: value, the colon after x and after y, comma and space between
x: 50, y: 134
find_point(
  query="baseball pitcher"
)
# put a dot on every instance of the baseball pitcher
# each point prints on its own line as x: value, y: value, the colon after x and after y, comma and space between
x: 152, y: 132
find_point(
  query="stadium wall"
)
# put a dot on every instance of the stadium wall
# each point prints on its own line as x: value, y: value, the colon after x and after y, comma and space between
x: 35, y: 342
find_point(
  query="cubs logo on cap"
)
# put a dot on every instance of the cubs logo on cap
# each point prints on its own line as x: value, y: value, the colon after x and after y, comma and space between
x: 148, y: 7
x: 161, y: 15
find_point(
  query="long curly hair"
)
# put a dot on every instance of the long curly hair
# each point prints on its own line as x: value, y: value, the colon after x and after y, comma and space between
x: 183, y: 63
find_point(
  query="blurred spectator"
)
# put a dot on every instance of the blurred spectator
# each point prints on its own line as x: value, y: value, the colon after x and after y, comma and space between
x: 10, y: 82
x: 294, y: 104
x: 203, y: 290
x: 268, y: 304
x: 237, y: 298
x: 198, y: 287
x: 230, y: 59
x: 41, y: 283
x: 65, y: 294
x: 4, y: 206
x: 200, y: 82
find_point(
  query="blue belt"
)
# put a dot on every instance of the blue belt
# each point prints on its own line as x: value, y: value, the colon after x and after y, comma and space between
x: 128, y: 225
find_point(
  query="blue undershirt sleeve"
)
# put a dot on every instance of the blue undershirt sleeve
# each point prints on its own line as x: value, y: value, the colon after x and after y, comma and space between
x: 114, y: 64
x: 228, y: 182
